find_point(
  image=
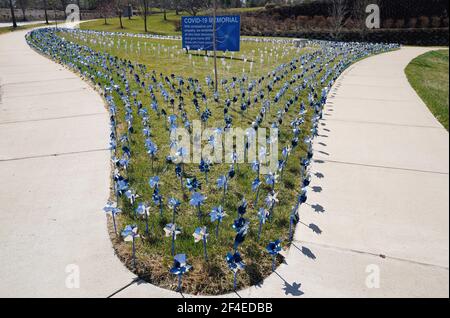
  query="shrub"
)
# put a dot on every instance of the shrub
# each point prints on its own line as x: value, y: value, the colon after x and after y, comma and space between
x: 412, y: 23
x: 424, y: 22
x: 445, y: 22
x: 399, y: 23
x: 388, y: 23
x: 435, y: 22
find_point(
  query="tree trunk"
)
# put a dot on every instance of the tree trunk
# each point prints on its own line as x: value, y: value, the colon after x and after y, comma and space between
x: 45, y: 12
x: 23, y: 14
x: 165, y: 14
x: 13, y: 16
x: 79, y: 7
x: 120, y: 19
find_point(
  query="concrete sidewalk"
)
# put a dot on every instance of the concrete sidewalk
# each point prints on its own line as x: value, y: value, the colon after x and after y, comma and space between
x: 379, y: 194
x: 54, y: 167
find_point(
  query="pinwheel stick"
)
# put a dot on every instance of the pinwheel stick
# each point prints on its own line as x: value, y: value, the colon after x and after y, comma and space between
x: 204, y: 248
x: 260, y: 229
x: 146, y: 224
x: 257, y: 196
x: 235, y: 281
x: 173, y: 243
x: 273, y: 262
x: 217, y: 228
x: 180, y: 277
x: 291, y: 225
x: 114, y: 222
x: 134, y: 253
x: 199, y: 214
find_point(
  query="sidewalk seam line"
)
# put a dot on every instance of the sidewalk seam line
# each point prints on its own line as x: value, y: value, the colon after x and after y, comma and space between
x: 54, y: 155
x: 51, y: 118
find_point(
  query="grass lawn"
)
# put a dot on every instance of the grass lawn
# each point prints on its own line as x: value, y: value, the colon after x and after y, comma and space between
x: 428, y: 75
x: 24, y: 27
x: 155, y: 23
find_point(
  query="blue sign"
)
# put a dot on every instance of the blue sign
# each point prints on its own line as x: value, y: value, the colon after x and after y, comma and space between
x: 198, y: 33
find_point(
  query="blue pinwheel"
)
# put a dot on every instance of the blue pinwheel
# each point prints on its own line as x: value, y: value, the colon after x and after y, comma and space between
x: 179, y: 268
x: 217, y: 214
x: 222, y: 183
x: 256, y: 186
x: 152, y: 150
x: 129, y: 234
x: 197, y: 199
x: 173, y: 204
x: 271, y: 200
x: 241, y: 226
x: 131, y: 195
x: 235, y: 263
x: 158, y: 200
x: 242, y: 209
x: 271, y: 180
x: 143, y: 210
x: 172, y: 230
x: 201, y: 234
x: 263, y: 215
x: 111, y: 208
x: 274, y: 248
x: 205, y: 168
x: 192, y: 184
x: 154, y: 182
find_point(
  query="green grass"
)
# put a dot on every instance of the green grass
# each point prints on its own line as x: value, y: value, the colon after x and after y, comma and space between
x: 155, y: 23
x: 19, y: 28
x: 428, y: 75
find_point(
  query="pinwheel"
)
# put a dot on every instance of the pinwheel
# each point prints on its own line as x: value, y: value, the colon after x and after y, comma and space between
x: 129, y: 234
x: 131, y: 195
x: 235, y: 263
x: 201, y: 234
x: 192, y: 184
x: 274, y: 248
x: 111, y: 208
x: 222, y: 183
x: 263, y: 215
x: 172, y: 230
x: 143, y: 209
x: 152, y: 150
x: 256, y: 185
x: 121, y: 186
x: 293, y: 220
x: 242, y: 209
x: 271, y: 200
x: 197, y: 200
x: 241, y: 226
x: 217, y: 214
x: 154, y: 182
x: 173, y: 204
x: 158, y: 200
x: 179, y: 268
x: 271, y: 180
x: 205, y: 168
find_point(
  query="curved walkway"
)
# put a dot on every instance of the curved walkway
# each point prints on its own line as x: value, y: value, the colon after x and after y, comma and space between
x: 54, y: 170
x: 380, y: 188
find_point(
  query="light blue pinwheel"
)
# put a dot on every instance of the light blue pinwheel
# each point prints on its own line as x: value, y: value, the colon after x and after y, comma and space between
x: 197, y: 199
x: 129, y: 234
x: 111, y: 208
x: 274, y: 248
x: 263, y: 215
x: 152, y: 150
x: 222, y: 183
x: 201, y: 234
x: 131, y: 196
x: 271, y: 200
x: 158, y: 200
x: 235, y: 263
x: 173, y: 204
x: 143, y: 210
x: 217, y: 214
x: 179, y: 268
x: 192, y: 184
x: 154, y: 182
x: 256, y: 186
x: 172, y: 230
x: 271, y: 180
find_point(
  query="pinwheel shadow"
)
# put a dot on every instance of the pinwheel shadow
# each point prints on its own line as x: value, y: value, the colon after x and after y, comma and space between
x: 305, y: 251
x: 290, y: 289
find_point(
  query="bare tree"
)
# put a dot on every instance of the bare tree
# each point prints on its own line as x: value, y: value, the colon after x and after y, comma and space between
x: 23, y: 4
x: 338, y: 13
x: 359, y: 15
x: 119, y: 6
x: 13, y: 15
x: 194, y: 6
x: 45, y: 4
x: 106, y: 8
x: 145, y: 10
